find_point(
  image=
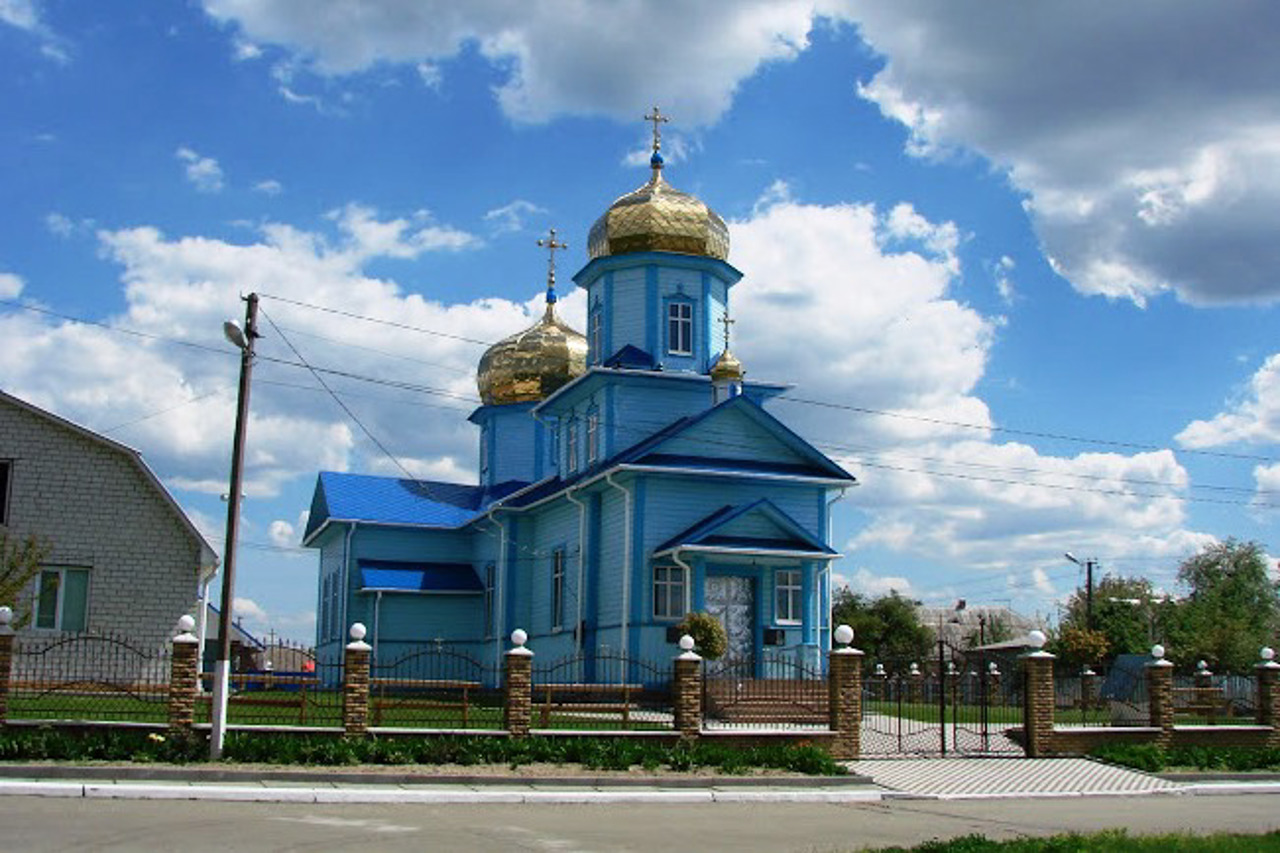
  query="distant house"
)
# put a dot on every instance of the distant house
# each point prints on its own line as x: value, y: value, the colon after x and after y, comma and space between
x: 123, y: 558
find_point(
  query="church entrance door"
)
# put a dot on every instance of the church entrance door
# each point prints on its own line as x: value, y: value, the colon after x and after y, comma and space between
x: 732, y: 600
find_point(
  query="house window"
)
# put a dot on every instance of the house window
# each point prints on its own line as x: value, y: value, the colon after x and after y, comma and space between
x: 787, y: 582
x: 62, y: 599
x: 680, y: 328
x: 593, y: 437
x: 6, y: 465
x: 490, y: 576
x: 571, y: 447
x: 557, y: 589
x: 595, y: 335
x: 669, y: 592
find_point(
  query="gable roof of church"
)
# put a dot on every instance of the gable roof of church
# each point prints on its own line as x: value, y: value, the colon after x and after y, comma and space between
x: 716, y: 532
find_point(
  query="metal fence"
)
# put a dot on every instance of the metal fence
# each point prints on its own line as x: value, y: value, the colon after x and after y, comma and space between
x: 1214, y: 699
x: 778, y: 690
x: 435, y: 686
x: 292, y: 689
x: 88, y: 677
x: 621, y: 692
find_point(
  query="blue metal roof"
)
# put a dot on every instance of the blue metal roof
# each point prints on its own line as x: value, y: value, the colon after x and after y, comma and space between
x: 401, y: 576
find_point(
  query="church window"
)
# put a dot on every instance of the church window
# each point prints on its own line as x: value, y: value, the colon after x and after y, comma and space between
x: 484, y: 455
x: 557, y: 589
x: 595, y: 338
x: 571, y: 447
x: 490, y: 573
x: 680, y: 328
x: 593, y: 437
x: 555, y: 445
x: 669, y: 592
x: 787, y: 582
x: 62, y: 599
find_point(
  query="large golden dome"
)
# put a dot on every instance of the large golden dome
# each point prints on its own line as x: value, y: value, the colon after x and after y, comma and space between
x: 659, y: 218
x: 532, y: 364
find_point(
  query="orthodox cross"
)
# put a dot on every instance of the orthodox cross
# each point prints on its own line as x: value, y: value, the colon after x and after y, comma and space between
x: 551, y: 244
x: 658, y: 119
x: 727, y: 323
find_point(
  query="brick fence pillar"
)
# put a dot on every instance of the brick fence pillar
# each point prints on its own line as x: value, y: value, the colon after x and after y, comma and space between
x: 6, y: 660
x: 844, y: 684
x: 1203, y: 696
x: 1089, y: 689
x: 915, y: 692
x: 1268, y: 676
x: 687, y: 700
x: 1160, y: 695
x: 184, y: 674
x: 355, y: 682
x: 1039, y: 699
x: 517, y: 687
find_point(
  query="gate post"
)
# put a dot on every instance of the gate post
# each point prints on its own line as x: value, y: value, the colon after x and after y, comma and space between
x: 1038, y: 699
x: 688, y: 690
x: 1268, y: 695
x: 355, y: 682
x: 845, y: 696
x: 1160, y: 695
x: 517, y: 687
x: 6, y: 660
x: 184, y: 670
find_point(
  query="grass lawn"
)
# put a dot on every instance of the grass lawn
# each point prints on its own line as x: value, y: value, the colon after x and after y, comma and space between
x: 927, y: 712
x: 1111, y: 841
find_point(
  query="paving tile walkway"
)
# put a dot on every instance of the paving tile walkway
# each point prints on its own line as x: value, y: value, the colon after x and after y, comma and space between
x: 958, y: 778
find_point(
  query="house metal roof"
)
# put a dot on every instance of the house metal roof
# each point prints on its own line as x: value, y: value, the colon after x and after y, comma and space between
x: 400, y: 576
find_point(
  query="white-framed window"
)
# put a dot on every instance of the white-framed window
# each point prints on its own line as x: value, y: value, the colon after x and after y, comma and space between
x: 670, y: 592
x: 680, y: 328
x: 787, y: 584
x: 490, y: 582
x: 6, y: 474
x: 554, y: 447
x: 62, y: 598
x: 571, y: 447
x: 595, y: 335
x: 593, y: 437
x: 557, y: 589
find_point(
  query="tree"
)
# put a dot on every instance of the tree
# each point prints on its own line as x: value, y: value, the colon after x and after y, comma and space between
x: 1232, y: 608
x: 709, y: 638
x: 887, y: 628
x: 1077, y: 646
x: 19, y: 562
x: 1124, y: 612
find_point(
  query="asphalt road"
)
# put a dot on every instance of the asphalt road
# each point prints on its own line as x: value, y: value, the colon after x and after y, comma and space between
x: 47, y: 824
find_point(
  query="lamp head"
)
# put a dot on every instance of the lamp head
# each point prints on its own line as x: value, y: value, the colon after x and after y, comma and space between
x: 232, y: 333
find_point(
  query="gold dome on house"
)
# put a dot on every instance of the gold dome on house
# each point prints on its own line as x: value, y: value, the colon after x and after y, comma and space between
x: 728, y: 367
x: 659, y: 218
x: 531, y: 365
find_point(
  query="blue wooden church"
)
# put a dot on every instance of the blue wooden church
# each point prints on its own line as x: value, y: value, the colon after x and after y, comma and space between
x: 626, y: 478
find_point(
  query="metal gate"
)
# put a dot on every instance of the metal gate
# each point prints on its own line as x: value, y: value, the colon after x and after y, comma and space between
x: 963, y: 702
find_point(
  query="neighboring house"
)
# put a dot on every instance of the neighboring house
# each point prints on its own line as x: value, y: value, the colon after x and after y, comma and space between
x: 626, y: 477
x: 122, y: 556
x: 967, y: 627
x: 247, y: 651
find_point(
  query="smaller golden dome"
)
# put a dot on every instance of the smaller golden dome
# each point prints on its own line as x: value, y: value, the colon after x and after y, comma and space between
x: 533, y: 364
x: 727, y: 367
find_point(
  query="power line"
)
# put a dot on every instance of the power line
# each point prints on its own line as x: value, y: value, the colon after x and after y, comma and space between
x: 119, y: 329
x: 392, y: 323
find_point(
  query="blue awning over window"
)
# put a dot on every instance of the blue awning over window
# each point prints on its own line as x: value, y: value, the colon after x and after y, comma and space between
x: 398, y: 576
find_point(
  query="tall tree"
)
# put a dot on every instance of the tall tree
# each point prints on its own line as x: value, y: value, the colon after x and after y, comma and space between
x: 19, y: 562
x: 1125, y: 611
x: 887, y: 628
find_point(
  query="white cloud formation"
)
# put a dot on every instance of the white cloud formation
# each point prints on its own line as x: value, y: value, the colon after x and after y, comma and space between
x: 1144, y: 170
x: 269, y: 187
x: 249, y: 610
x: 511, y: 217
x: 203, y: 173
x: 282, y: 534
x: 20, y: 14
x: 369, y: 237
x: 1253, y: 419
x: 10, y: 285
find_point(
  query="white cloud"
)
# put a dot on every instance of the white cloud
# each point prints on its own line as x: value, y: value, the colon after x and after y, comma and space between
x: 510, y: 217
x: 203, y: 173
x: 268, y: 187
x: 20, y: 14
x: 249, y: 610
x: 396, y: 238
x: 1002, y: 271
x: 282, y: 534
x: 430, y: 75
x: 10, y: 285
x: 1144, y: 172
x: 244, y: 50
x: 59, y: 224
x: 1253, y: 419
x: 554, y: 58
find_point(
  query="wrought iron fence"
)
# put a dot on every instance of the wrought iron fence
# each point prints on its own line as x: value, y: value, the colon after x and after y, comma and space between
x: 291, y: 688
x: 621, y: 692
x: 770, y: 690
x: 1214, y: 699
x: 435, y: 686
x: 88, y: 677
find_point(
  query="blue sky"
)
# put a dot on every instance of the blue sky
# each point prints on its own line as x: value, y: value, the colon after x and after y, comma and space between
x: 1040, y: 236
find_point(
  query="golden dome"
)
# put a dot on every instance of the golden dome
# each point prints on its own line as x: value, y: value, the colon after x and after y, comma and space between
x: 532, y: 364
x: 659, y: 218
x: 727, y: 366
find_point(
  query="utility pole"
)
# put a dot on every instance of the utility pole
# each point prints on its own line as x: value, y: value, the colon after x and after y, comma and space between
x: 244, y: 339
x: 1088, y: 565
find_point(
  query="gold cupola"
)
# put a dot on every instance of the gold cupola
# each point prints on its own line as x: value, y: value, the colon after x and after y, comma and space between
x: 657, y: 217
x: 531, y: 365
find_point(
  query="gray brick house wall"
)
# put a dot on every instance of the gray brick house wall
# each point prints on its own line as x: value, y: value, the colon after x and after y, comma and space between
x: 97, y: 506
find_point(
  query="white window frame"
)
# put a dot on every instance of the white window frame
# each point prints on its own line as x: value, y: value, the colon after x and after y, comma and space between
x: 788, y: 596
x: 670, y: 591
x: 571, y: 447
x: 595, y: 334
x: 679, y: 327
x: 593, y: 437
x: 59, y: 607
x: 557, y: 589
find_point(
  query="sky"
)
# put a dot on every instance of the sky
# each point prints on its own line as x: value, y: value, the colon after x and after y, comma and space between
x: 1019, y: 261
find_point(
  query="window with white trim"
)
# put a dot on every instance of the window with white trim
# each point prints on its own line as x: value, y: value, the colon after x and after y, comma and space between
x: 490, y: 579
x: 787, y: 584
x: 593, y: 437
x: 62, y: 598
x: 680, y: 328
x: 670, y: 592
x: 6, y: 470
x: 595, y: 335
x: 571, y: 447
x: 557, y: 589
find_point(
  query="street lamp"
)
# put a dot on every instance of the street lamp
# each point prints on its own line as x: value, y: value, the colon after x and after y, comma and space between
x: 1088, y: 565
x: 242, y: 340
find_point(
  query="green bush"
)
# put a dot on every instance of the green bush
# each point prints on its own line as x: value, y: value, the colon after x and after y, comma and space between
x: 709, y: 638
x: 1140, y: 756
x: 1152, y: 758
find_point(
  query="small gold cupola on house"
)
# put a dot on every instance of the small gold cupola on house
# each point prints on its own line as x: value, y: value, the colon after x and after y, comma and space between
x: 530, y: 365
